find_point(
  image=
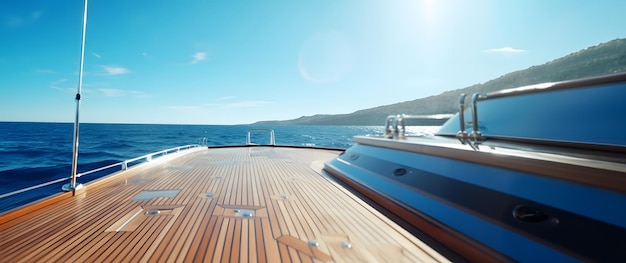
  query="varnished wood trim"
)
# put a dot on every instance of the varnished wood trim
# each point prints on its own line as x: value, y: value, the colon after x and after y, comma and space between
x: 610, y: 178
x: 453, y: 240
x: 25, y: 211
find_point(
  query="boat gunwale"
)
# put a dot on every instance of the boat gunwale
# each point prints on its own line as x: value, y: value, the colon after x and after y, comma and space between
x: 554, y: 86
x: 610, y: 177
x: 452, y: 240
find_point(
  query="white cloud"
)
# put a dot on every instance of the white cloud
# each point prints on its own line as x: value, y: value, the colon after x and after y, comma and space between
x: 96, y: 55
x: 199, y: 56
x: 47, y: 71
x: 21, y: 19
x: 115, y: 70
x: 58, y: 82
x: 220, y: 106
x: 186, y: 108
x: 13, y: 21
x: 61, y: 84
x: 111, y: 92
x: 248, y: 103
x: 137, y: 93
x: 36, y: 14
x: 504, y: 50
x: 121, y: 93
x: 66, y: 90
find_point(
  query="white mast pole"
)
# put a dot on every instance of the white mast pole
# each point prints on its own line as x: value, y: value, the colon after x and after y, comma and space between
x: 73, y: 186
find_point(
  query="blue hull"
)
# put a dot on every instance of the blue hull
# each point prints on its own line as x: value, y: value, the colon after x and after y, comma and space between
x: 542, y: 178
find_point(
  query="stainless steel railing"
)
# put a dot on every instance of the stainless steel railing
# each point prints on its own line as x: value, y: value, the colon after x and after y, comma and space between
x: 149, y: 157
x: 395, y: 125
x: 270, y: 131
x: 124, y: 165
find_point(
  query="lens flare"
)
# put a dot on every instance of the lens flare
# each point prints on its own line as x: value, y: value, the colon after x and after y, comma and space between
x: 325, y: 57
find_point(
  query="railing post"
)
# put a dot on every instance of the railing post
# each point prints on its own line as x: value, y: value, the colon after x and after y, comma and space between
x: 395, y: 126
x: 462, y: 135
x: 388, y: 126
x: 476, y: 134
x: 270, y: 131
x: 401, y: 126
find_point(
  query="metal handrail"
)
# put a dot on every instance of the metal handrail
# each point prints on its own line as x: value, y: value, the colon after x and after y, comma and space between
x: 99, y: 169
x: 476, y: 134
x: 149, y: 156
x: 124, y: 166
x: 395, y: 126
x: 462, y: 135
x: 553, y: 86
x: 270, y: 131
x: 470, y: 139
x: 33, y: 187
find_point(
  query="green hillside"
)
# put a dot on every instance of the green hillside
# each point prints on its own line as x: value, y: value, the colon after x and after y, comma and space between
x: 605, y: 58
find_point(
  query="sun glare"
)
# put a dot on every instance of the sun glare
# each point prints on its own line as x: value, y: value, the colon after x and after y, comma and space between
x: 428, y: 11
x: 325, y: 57
x: 425, y: 19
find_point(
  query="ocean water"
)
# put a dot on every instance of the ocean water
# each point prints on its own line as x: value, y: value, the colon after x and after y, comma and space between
x: 35, y: 153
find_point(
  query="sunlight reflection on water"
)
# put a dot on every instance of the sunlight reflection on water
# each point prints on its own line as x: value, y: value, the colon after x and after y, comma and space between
x: 421, y: 130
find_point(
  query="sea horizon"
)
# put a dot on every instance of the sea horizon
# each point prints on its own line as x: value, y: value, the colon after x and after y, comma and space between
x: 139, y: 123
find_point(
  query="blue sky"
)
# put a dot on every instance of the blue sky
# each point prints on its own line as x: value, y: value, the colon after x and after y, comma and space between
x: 237, y: 62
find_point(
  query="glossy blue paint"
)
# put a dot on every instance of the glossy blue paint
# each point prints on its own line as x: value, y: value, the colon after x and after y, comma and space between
x: 572, y: 197
x: 509, y: 243
x: 590, y: 115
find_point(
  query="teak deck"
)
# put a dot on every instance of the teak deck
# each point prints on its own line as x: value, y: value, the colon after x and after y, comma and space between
x: 259, y: 204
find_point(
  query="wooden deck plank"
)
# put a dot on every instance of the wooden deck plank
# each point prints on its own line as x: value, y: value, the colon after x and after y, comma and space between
x: 187, y: 237
x: 270, y: 246
x: 81, y: 231
x: 212, y: 239
x: 220, y: 240
x: 45, y: 224
x: 196, y: 241
x: 141, y: 250
x: 177, y: 242
x: 260, y: 245
x: 75, y: 242
x: 205, y: 234
x: 244, y: 240
x: 135, y: 241
x: 204, y: 207
x: 103, y: 238
x: 207, y: 228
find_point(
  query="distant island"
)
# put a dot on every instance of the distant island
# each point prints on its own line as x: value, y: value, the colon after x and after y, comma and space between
x: 605, y: 58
